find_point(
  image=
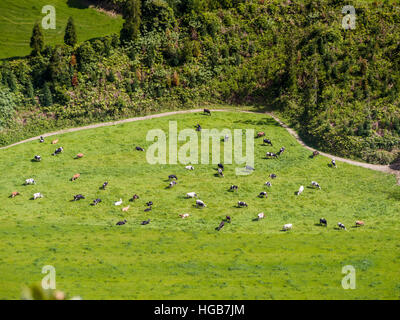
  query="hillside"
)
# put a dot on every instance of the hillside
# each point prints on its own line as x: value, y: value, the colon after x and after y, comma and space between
x: 174, y: 258
x: 340, y: 89
x: 18, y: 17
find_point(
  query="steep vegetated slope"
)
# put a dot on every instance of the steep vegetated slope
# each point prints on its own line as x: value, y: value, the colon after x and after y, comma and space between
x: 339, y: 88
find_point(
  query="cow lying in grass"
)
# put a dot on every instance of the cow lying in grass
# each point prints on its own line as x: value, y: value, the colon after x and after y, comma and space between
x: 37, y: 196
x: 191, y: 195
x: 242, y: 204
x: 37, y: 158
x: 287, y: 226
x: 315, y: 184
x: 58, y: 151
x: 78, y: 197
x: 30, y: 181
x: 200, y: 204
x: 14, y: 194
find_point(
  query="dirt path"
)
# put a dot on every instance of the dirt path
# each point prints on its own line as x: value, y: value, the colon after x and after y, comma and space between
x: 382, y: 168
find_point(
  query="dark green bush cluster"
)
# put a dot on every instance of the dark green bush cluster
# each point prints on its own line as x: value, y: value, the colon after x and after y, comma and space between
x: 339, y: 88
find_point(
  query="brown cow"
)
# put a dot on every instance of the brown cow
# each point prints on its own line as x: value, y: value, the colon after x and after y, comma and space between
x: 54, y: 141
x: 79, y: 155
x: 359, y: 223
x: 260, y: 134
x: 14, y: 194
x: 76, y: 176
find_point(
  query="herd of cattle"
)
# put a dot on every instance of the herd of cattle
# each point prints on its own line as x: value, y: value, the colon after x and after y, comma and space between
x: 173, y: 181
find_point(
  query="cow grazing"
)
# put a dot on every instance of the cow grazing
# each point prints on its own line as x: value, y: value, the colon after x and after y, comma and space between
x: 260, y: 134
x: 104, y: 186
x: 207, y: 111
x: 228, y: 219
x: 341, y: 226
x: 315, y: 184
x: 359, y: 223
x: 58, y: 151
x: 260, y: 216
x: 135, y: 197
x: 301, y: 189
x: 191, y: 195
x: 120, y: 223
x: 221, y: 225
x: 287, y: 226
x: 126, y: 209
x: 315, y: 153
x: 41, y: 140
x: 79, y: 155
x: 221, y: 166
x: 118, y: 203
x: 334, y: 163
x: 200, y: 204
x: 149, y: 204
x: 220, y: 173
x: 198, y: 127
x: 37, y: 196
x: 96, y: 202
x: 281, y: 150
x: 267, y: 141
x: 148, y: 209
x: 172, y: 176
x: 270, y: 155
x: 242, y: 204
x: 54, y: 141
x: 30, y: 181
x: 78, y: 197
x: 272, y: 175
x: 184, y: 216
x: 323, y: 222
x: 37, y: 158
x: 76, y: 176
x: 172, y: 184
x: 268, y: 184
x: 263, y: 194
x: 145, y: 222
x: 233, y: 188
x: 14, y: 194
x: 139, y: 149
x: 189, y: 168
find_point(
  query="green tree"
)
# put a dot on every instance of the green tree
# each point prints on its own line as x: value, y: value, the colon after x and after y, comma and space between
x: 47, y: 97
x: 37, y: 41
x: 70, y: 37
x: 7, y: 106
x: 132, y: 16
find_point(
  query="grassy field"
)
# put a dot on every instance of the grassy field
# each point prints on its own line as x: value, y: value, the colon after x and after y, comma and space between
x: 18, y: 17
x: 172, y: 258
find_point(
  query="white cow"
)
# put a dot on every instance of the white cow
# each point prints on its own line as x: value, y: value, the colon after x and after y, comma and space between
x: 191, y: 195
x: 189, y: 168
x: 37, y: 195
x: 287, y: 226
x: 30, y: 181
x: 184, y: 216
x: 118, y: 203
x: 260, y: 215
x: 200, y: 203
x: 301, y: 189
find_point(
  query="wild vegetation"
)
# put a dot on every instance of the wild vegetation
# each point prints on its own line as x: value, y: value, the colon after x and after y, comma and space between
x: 175, y: 258
x: 339, y: 88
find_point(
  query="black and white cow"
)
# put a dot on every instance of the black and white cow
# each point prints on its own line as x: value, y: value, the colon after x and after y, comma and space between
x: 221, y: 166
x: 78, y: 197
x: 207, y: 111
x: 270, y: 155
x: 233, y: 188
x: 272, y: 175
x: 58, y: 151
x: 323, y: 222
x: 120, y: 223
x: 96, y: 202
x: 145, y: 222
x: 281, y: 150
x: 242, y: 204
x: 267, y: 141
x: 341, y: 226
x: 200, y: 204
x: 105, y: 184
x: 315, y: 184
x: 221, y: 225
x: 37, y: 158
x: 220, y: 173
x: 172, y: 176
x: 263, y: 194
